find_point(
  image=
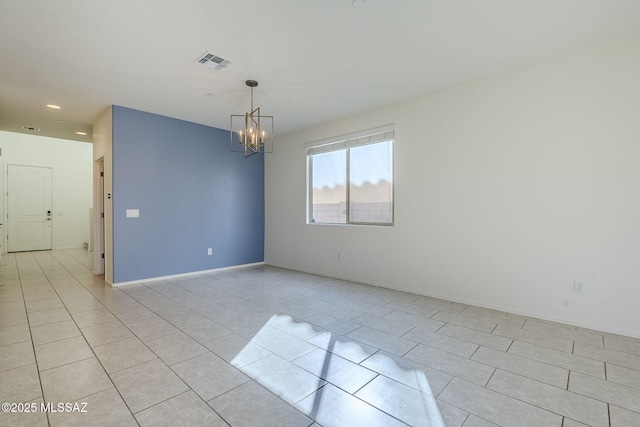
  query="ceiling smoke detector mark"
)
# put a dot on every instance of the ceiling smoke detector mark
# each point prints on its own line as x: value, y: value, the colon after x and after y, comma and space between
x: 212, y: 61
x: 31, y: 128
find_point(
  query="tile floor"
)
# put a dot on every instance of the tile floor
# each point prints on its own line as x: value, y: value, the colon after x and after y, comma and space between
x: 270, y: 347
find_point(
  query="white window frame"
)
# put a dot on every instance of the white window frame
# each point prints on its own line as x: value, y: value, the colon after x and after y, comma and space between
x: 345, y: 142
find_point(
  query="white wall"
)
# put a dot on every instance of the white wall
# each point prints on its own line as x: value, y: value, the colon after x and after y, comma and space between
x: 71, y: 165
x: 506, y: 191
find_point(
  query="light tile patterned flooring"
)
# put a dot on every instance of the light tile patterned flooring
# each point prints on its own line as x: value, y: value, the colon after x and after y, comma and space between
x: 265, y: 346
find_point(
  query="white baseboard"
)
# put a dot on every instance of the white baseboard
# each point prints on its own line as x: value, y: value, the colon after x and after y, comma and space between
x: 532, y: 314
x: 175, y: 276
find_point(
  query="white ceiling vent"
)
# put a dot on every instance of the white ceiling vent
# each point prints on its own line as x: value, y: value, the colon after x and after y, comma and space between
x: 212, y: 61
x: 31, y: 128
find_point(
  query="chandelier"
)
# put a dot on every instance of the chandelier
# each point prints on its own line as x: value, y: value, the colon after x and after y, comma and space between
x: 251, y: 132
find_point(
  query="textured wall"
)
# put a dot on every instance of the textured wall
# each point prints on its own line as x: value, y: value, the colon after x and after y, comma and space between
x: 507, y: 190
x: 192, y: 194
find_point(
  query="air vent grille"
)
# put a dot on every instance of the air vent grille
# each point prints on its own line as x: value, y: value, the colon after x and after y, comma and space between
x: 212, y: 61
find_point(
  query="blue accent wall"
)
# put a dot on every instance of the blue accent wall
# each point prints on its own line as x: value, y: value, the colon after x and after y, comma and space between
x: 192, y: 194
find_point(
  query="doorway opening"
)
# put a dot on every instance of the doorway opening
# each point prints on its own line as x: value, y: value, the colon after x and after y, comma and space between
x: 98, y: 213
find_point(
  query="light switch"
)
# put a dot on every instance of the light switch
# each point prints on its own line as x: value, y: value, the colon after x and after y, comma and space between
x: 133, y: 213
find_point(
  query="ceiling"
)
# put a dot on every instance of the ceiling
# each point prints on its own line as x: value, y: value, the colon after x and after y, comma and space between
x: 315, y: 60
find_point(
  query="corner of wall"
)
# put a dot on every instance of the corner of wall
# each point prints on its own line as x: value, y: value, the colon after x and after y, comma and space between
x: 103, y: 152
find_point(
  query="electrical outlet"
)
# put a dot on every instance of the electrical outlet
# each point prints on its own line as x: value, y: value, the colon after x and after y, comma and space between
x: 210, y: 251
x: 578, y: 287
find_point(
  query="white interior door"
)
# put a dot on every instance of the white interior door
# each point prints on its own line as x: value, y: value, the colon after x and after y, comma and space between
x: 28, y: 208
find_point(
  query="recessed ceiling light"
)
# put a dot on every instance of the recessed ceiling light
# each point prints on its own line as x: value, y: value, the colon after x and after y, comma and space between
x: 54, y: 106
x: 80, y: 132
x: 358, y: 3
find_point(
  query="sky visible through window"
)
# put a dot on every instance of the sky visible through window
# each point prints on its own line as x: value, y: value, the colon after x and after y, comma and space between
x: 369, y: 163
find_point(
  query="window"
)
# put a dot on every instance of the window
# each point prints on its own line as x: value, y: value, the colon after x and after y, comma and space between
x: 351, y: 179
